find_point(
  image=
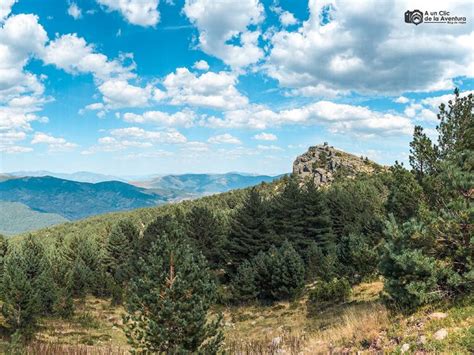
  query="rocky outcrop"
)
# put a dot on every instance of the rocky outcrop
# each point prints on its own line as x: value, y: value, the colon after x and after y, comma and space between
x: 323, y: 163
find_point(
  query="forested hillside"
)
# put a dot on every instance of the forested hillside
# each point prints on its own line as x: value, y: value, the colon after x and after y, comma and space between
x: 75, y: 200
x: 364, y: 263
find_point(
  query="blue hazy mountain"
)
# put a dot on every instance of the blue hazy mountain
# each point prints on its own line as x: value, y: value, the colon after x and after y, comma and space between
x: 81, y: 176
x: 32, y: 202
x: 73, y: 199
x: 203, y: 184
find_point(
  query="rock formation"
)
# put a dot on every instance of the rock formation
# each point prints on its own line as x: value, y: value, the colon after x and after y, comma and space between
x: 323, y: 163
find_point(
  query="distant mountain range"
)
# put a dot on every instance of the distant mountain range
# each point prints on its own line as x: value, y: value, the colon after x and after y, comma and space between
x: 81, y: 176
x: 193, y: 185
x: 47, y: 200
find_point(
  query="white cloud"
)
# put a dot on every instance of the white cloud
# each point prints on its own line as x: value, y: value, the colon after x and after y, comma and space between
x: 21, y: 38
x: 74, y: 11
x: 6, y: 8
x: 9, y: 141
x: 21, y: 92
x: 184, y: 118
x: 219, y: 22
x: 287, y: 19
x: 225, y: 138
x: 74, y: 55
x: 138, y: 12
x: 265, y: 137
x: 398, y: 58
x: 196, y: 147
x: 269, y: 147
x: 426, y: 110
x: 170, y: 136
x: 120, y: 94
x: 214, y: 90
x: 402, y: 100
x: 201, y: 65
x: 338, y: 118
x: 54, y: 143
x: 134, y: 137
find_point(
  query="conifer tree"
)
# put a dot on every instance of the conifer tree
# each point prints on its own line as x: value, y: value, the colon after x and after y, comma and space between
x: 405, y: 194
x: 423, y: 154
x: 21, y: 302
x: 166, y: 224
x: 250, y: 232
x: 206, y: 231
x: 287, y: 215
x: 168, y: 304
x: 317, y: 220
x: 119, y: 250
x: 288, y: 275
x: 279, y: 273
x: 244, y: 285
x: 318, y: 265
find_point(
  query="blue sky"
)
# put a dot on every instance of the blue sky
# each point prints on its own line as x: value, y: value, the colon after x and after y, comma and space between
x: 131, y: 87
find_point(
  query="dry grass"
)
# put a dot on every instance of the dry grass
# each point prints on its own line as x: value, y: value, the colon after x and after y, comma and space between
x: 362, y: 324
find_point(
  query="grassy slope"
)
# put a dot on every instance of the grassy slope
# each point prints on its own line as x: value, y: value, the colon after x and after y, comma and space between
x: 361, y: 324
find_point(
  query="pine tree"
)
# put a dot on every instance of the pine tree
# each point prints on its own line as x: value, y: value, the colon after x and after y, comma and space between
x: 207, y: 232
x: 244, y: 284
x: 287, y: 215
x: 119, y: 251
x: 410, y: 276
x: 288, y: 274
x: 166, y: 224
x: 317, y: 220
x: 87, y: 267
x: 358, y: 259
x: 21, y: 302
x: 405, y: 194
x: 318, y: 265
x: 423, y: 154
x: 168, y: 304
x: 250, y: 233
x: 279, y: 273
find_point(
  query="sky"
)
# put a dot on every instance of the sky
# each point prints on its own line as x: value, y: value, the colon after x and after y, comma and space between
x: 129, y: 87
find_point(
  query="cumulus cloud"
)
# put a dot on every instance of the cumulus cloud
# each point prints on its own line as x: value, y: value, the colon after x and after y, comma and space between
x: 53, y: 143
x: 137, y: 12
x: 265, y: 137
x: 369, y: 49
x: 225, y: 138
x: 21, y: 92
x: 338, y: 118
x: 201, y: 65
x: 75, y: 56
x: 220, y: 22
x: 214, y: 90
x: 286, y: 18
x: 9, y: 142
x: 401, y: 100
x: 184, y: 118
x: 119, y: 94
x: 134, y: 137
x: 6, y: 8
x: 269, y: 147
x: 74, y: 11
x: 170, y: 136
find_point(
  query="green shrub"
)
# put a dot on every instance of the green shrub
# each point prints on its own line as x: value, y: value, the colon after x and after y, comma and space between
x: 327, y: 294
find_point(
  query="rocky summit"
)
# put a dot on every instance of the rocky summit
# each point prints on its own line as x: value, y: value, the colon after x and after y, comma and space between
x: 323, y: 163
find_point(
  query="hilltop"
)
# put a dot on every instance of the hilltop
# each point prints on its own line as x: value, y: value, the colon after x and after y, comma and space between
x: 324, y: 163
